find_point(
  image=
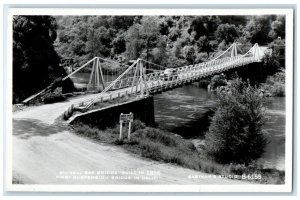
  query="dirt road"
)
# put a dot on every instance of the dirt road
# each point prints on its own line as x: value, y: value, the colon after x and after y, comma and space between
x: 45, y: 152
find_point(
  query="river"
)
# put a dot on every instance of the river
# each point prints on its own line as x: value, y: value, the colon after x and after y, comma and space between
x: 185, y: 111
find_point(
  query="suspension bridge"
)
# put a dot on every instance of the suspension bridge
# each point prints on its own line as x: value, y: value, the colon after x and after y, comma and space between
x: 110, y: 80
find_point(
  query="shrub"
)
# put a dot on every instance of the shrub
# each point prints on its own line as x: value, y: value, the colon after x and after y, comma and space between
x: 203, y: 83
x: 235, y: 134
x: 275, y: 85
x: 278, y: 90
x: 271, y: 62
x: 87, y: 131
x: 137, y: 125
x: 201, y: 57
x: 157, y: 136
x: 52, y: 98
x: 218, y: 80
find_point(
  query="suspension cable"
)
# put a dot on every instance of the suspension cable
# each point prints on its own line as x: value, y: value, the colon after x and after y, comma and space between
x: 222, y: 53
x: 249, y: 51
x: 240, y: 49
x: 154, y: 64
x: 91, y: 101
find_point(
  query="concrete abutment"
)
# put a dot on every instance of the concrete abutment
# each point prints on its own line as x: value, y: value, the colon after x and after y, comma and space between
x: 142, y: 109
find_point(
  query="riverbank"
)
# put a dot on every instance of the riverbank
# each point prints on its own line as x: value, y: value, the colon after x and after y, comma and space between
x: 168, y: 147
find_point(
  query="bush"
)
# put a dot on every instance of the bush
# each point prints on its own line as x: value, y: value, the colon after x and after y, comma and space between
x: 52, y: 98
x: 137, y: 125
x: 275, y: 85
x: 278, y: 90
x: 218, y: 80
x: 271, y: 62
x: 235, y: 134
x: 201, y: 57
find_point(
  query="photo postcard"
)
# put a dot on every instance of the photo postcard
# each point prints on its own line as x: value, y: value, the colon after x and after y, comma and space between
x: 149, y: 100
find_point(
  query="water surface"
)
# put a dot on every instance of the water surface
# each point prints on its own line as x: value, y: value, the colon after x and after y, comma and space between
x: 185, y: 111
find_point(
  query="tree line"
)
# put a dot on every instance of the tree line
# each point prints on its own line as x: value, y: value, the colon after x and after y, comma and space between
x: 171, y: 41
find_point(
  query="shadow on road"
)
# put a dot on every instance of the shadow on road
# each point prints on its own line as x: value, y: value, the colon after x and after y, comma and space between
x: 26, y: 128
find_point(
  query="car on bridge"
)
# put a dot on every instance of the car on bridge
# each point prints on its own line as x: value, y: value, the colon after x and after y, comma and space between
x: 169, y: 74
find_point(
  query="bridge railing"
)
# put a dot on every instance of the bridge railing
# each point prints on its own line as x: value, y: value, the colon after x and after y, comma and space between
x: 187, y: 73
x: 184, y: 73
x: 147, y: 82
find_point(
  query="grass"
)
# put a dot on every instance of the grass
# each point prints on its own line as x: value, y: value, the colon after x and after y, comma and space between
x: 167, y: 147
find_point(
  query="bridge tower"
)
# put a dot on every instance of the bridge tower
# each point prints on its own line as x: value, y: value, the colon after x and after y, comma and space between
x: 234, y: 50
x: 139, y: 78
x: 96, y: 78
x: 256, y: 52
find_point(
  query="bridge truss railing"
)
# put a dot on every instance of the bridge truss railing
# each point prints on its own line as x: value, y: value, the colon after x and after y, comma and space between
x: 145, y: 82
x: 152, y: 81
x: 190, y: 73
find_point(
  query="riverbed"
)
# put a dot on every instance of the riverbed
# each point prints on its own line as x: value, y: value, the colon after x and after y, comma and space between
x: 186, y: 111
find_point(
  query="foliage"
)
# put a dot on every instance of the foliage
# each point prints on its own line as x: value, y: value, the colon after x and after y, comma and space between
x: 258, y: 28
x: 274, y: 85
x: 189, y: 54
x: 35, y: 63
x: 278, y: 28
x: 237, y: 20
x: 204, y: 25
x: 149, y: 32
x: 165, y: 40
x: 133, y: 42
x: 227, y: 33
x: 53, y: 97
x: 271, y: 61
x: 217, y: 81
x: 160, y: 53
x: 235, y: 133
x: 205, y: 45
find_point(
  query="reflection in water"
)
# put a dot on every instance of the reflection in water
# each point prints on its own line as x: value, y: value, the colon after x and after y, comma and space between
x: 186, y: 111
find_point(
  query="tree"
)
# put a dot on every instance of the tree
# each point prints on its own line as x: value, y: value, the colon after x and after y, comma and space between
x: 271, y: 62
x: 235, y: 134
x: 217, y: 81
x: 205, y: 45
x: 236, y: 20
x: 278, y: 28
x: 121, y: 22
x: 133, y: 42
x: 73, y: 32
x: 189, y: 54
x: 119, y: 44
x: 149, y: 32
x: 35, y: 62
x: 204, y: 25
x: 258, y: 28
x: 159, y: 53
x: 227, y: 33
x: 98, y: 43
